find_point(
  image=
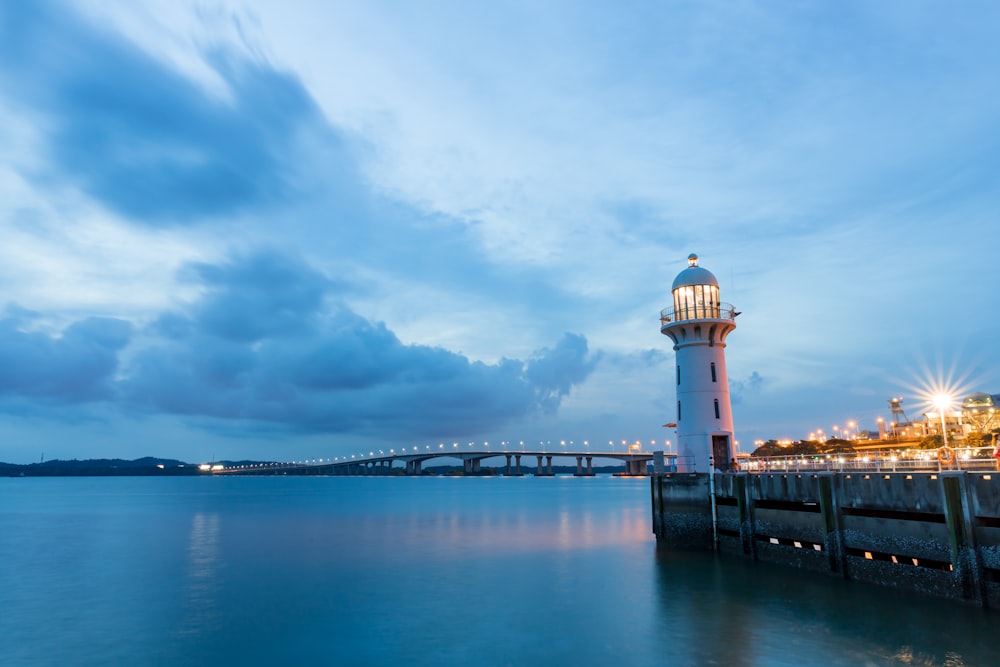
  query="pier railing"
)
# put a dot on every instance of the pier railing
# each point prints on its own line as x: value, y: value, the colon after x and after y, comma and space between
x: 922, y: 461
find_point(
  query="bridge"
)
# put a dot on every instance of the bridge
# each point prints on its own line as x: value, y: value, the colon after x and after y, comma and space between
x: 635, y: 463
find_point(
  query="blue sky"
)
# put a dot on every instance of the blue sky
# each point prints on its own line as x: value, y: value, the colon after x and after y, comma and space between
x: 276, y: 230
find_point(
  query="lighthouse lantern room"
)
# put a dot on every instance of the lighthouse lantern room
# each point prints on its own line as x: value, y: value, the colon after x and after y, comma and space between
x: 698, y: 324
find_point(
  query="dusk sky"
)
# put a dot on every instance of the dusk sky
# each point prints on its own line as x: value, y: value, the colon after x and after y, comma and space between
x: 278, y: 230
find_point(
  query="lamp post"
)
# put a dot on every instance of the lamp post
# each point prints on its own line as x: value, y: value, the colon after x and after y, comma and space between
x: 942, y: 401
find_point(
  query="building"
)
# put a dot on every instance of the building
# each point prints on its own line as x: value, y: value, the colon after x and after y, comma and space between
x: 698, y: 324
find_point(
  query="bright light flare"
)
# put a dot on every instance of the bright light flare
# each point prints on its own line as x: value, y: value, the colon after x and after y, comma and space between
x: 942, y: 401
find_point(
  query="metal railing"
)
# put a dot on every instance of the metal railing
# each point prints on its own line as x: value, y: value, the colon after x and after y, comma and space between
x: 712, y: 311
x: 914, y: 461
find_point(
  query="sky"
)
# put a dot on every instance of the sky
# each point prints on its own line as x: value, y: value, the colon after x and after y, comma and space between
x: 284, y: 230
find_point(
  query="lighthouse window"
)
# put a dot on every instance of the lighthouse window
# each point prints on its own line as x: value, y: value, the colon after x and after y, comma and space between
x: 696, y: 301
x: 713, y: 372
x: 678, y: 410
x: 716, y: 408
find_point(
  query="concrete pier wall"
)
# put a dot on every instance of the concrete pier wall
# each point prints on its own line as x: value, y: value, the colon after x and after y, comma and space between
x: 936, y: 533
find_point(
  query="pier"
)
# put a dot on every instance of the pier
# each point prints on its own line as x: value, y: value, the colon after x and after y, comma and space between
x: 932, y: 532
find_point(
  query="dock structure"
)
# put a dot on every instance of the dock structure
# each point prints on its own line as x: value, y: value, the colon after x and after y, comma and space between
x: 936, y: 533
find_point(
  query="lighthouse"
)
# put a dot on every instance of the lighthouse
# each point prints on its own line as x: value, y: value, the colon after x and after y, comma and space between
x: 698, y: 324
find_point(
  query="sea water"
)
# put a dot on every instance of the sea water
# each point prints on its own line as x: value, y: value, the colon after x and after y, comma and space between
x: 420, y: 571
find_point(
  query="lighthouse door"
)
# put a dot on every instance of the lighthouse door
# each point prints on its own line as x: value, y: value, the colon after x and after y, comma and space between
x: 720, y: 452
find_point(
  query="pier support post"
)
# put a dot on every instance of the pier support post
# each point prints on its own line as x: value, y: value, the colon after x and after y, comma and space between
x: 744, y: 503
x: 508, y: 463
x: 656, y: 491
x: 549, y: 461
x: 833, y: 536
x: 540, y: 473
x: 590, y: 465
x: 517, y: 460
x: 579, y: 466
x: 966, y: 564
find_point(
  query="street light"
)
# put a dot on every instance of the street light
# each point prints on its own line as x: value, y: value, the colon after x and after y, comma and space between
x: 943, y: 402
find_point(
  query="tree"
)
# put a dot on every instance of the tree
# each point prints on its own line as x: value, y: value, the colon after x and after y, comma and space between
x: 931, y: 442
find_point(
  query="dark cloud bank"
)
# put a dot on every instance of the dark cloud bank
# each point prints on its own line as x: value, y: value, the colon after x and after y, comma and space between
x: 144, y: 140
x: 268, y: 345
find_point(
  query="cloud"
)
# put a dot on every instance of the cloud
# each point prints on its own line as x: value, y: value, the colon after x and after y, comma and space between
x: 264, y: 295
x: 752, y: 384
x: 140, y: 137
x: 76, y: 366
x: 555, y: 371
x: 269, y: 345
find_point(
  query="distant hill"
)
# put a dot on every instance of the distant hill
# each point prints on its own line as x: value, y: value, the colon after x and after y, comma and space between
x: 100, y: 467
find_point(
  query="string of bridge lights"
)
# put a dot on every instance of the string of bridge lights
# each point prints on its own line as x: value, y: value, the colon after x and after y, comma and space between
x: 565, y: 445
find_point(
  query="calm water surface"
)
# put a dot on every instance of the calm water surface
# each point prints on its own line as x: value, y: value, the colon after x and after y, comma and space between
x: 419, y: 571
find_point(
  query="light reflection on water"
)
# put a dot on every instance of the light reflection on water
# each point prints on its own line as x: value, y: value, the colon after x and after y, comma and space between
x: 383, y: 571
x: 202, y: 581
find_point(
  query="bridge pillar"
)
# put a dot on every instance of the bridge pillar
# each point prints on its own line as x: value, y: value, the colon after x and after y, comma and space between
x: 590, y: 465
x: 508, y: 463
x: 635, y: 467
x: 540, y: 465
x: 517, y: 459
x: 579, y: 465
x: 549, y: 460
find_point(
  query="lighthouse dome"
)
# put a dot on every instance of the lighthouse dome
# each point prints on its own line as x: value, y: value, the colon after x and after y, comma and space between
x: 694, y: 275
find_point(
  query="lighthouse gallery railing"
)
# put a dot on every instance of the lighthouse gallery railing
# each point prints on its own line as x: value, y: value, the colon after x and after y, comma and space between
x: 717, y: 311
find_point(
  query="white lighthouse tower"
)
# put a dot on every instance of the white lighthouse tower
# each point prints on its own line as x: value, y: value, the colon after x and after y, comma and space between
x: 698, y: 324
